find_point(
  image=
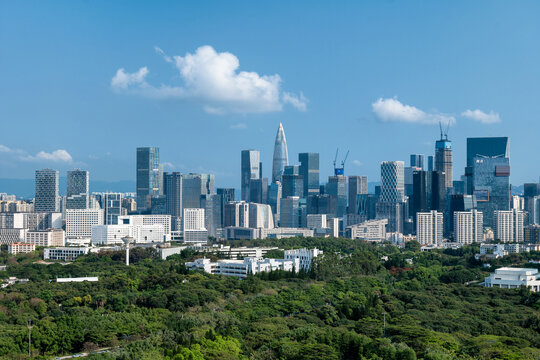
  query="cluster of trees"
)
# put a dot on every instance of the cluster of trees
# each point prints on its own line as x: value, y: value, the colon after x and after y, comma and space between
x: 352, y: 304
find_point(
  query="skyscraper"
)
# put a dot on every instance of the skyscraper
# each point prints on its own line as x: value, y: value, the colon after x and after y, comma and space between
x: 78, y: 193
x: 443, y: 158
x: 281, y: 156
x: 357, y: 186
x: 225, y: 195
x: 195, y: 185
x: 487, y: 147
x: 417, y: 160
x: 47, y: 199
x: 250, y: 169
x: 172, y: 188
x: 309, y: 170
x: 293, y: 182
x: 429, y: 227
x: 149, y: 176
x: 258, y: 191
x: 337, y: 189
x: 391, y: 203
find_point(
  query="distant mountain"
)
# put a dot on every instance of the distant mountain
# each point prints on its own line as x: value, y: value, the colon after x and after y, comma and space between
x: 25, y: 188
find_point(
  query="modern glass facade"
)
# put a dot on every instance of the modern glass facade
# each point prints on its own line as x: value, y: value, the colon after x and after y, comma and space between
x: 498, y: 147
x: 443, y: 159
x: 250, y: 169
x: 172, y: 188
x: 46, y: 199
x: 417, y: 160
x: 491, y: 185
x: 293, y: 182
x: 281, y: 155
x: 309, y: 170
x: 337, y: 188
x: 195, y: 185
x: 77, y: 194
x: 357, y: 185
x: 149, y: 176
x: 226, y: 195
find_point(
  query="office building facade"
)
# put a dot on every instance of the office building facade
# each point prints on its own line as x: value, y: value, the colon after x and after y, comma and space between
x: 250, y: 169
x: 46, y: 198
x: 149, y: 176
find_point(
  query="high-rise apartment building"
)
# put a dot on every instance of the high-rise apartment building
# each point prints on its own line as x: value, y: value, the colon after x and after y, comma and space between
x: 47, y: 199
x: 509, y: 225
x: 281, y: 155
x: 358, y: 185
x: 309, y: 170
x: 194, y: 226
x: 429, y: 227
x: 78, y: 189
x: 149, y: 176
x: 468, y: 227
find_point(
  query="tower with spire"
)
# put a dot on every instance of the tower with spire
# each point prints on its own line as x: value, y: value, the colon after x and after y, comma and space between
x: 281, y: 156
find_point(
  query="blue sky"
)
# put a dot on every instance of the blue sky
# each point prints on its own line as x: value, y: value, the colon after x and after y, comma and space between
x: 373, y: 77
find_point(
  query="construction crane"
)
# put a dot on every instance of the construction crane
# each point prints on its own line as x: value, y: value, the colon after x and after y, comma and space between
x: 340, y: 170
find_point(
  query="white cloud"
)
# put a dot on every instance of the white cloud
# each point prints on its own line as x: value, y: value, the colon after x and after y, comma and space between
x: 123, y: 80
x: 59, y: 155
x: 482, y: 117
x: 4, y: 149
x: 392, y: 110
x: 239, y: 126
x: 168, y: 165
x: 213, y: 79
x: 357, y: 162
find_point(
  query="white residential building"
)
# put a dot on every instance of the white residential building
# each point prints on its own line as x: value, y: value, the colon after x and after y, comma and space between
x: 372, y: 230
x: 194, y: 226
x: 429, y: 227
x: 509, y: 225
x: 304, y: 256
x: 513, y: 278
x: 468, y: 226
x: 79, y: 222
x: 20, y: 248
x: 50, y: 237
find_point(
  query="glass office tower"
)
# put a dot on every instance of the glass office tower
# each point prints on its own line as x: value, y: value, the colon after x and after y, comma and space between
x: 309, y: 170
x: 46, y: 199
x: 149, y: 176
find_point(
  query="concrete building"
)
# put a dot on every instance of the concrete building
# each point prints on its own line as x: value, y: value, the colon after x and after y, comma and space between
x: 509, y: 225
x: 429, y: 227
x: 242, y: 268
x: 21, y: 248
x: 260, y: 216
x: 358, y: 185
x: 47, y: 199
x: 143, y: 220
x: 372, y: 230
x: 468, y: 227
x: 514, y: 278
x: 10, y: 236
x: 443, y: 159
x: 236, y: 214
x: 64, y: 253
x: 79, y: 222
x: 49, y: 237
x: 110, y: 234
x: 194, y: 226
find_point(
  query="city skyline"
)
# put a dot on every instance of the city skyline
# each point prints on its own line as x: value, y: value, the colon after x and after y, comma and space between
x: 483, y: 90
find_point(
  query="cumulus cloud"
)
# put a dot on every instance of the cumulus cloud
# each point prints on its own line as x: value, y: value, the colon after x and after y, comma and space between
x: 482, y: 117
x: 357, y: 162
x: 59, y: 156
x: 213, y: 79
x: 392, y: 110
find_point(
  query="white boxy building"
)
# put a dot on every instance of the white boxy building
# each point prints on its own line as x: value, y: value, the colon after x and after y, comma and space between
x: 49, y: 237
x: 304, y: 256
x: 243, y: 268
x: 372, y: 230
x: 513, y: 278
x: 79, y: 222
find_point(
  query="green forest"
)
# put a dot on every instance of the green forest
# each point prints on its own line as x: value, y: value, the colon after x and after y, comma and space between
x: 351, y: 305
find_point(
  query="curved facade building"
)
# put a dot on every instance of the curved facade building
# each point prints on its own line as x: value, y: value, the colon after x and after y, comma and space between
x: 281, y: 156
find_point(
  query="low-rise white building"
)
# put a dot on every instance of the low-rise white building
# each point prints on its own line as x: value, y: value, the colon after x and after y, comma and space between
x: 110, y: 234
x: 372, y: 230
x: 304, y: 256
x: 513, y: 278
x: 49, y: 237
x: 64, y: 253
x: 20, y: 248
x: 140, y: 220
x: 243, y: 268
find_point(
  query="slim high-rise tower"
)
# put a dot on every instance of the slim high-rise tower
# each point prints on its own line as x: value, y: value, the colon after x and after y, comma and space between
x: 149, y: 175
x: 250, y: 169
x: 281, y: 156
x: 443, y: 158
x: 77, y: 194
x: 47, y: 199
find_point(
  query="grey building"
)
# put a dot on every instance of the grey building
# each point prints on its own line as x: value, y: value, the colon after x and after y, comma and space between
x: 337, y: 188
x: 212, y: 213
x: 281, y: 155
x: 290, y: 212
x: 293, y: 182
x: 111, y: 203
x: 443, y: 159
x: 357, y: 185
x: 258, y: 190
x: 417, y: 160
x: 391, y: 204
x: 193, y: 187
x: 309, y: 170
x: 78, y: 189
x: 46, y: 199
x: 430, y: 163
x: 172, y: 189
x: 225, y: 195
x: 149, y: 176
x: 250, y: 169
